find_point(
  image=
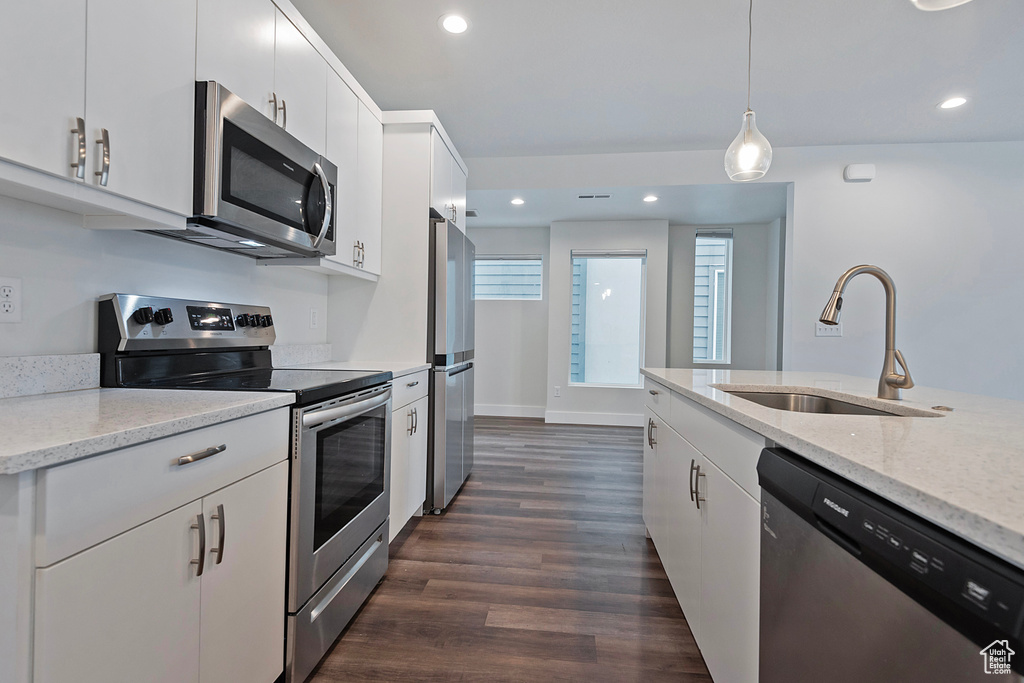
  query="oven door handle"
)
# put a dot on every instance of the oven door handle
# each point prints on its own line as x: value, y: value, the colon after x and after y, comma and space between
x: 319, y: 417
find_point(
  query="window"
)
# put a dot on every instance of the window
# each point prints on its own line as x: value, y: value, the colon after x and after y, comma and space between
x: 508, y: 277
x: 712, y: 296
x: 607, y: 336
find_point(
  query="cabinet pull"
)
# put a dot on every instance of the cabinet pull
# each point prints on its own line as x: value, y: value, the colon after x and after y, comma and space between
x: 649, y: 423
x: 284, y: 114
x: 696, y: 487
x: 219, y: 516
x: 412, y: 384
x: 693, y: 468
x: 104, y: 172
x: 201, y: 455
x: 654, y: 433
x: 273, y: 101
x: 80, y: 132
x: 415, y: 420
x: 652, y: 392
x: 412, y: 424
x: 200, y: 525
x: 355, y: 253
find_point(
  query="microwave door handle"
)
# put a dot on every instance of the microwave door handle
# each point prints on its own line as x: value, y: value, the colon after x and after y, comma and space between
x: 318, y: 417
x: 328, y: 205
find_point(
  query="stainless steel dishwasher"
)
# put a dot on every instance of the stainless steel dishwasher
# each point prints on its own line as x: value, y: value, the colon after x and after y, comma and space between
x: 854, y: 588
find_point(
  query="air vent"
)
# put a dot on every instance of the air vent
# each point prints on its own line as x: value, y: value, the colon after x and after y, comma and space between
x: 594, y: 196
x: 471, y: 213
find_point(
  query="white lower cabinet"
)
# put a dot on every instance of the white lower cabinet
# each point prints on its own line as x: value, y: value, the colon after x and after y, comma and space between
x: 706, y: 528
x: 730, y: 577
x: 409, y: 426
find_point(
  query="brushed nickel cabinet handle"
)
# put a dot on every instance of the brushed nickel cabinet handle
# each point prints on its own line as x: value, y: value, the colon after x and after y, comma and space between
x: 201, y: 455
x: 415, y: 420
x: 649, y: 423
x: 104, y: 141
x: 219, y: 516
x: 355, y: 253
x: 284, y: 114
x: 652, y: 392
x: 700, y: 499
x: 693, y: 468
x: 200, y: 525
x: 80, y: 133
x: 412, y: 384
x: 273, y: 101
x: 412, y: 424
x: 654, y: 433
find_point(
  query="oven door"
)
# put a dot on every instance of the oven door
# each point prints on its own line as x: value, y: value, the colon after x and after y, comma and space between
x: 341, y: 461
x: 257, y: 177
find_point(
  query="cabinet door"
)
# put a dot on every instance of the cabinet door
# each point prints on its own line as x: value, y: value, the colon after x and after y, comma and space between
x: 401, y: 442
x: 650, y: 502
x: 418, y: 459
x: 235, y: 47
x: 730, y: 572
x: 370, y: 187
x: 141, y: 88
x: 242, y: 623
x: 300, y: 80
x: 342, y: 150
x: 124, y: 610
x: 42, y: 49
x: 680, y: 551
x: 440, y: 175
x: 459, y: 195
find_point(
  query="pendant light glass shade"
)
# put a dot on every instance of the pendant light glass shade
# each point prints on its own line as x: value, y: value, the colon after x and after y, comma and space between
x: 937, y: 5
x: 749, y: 155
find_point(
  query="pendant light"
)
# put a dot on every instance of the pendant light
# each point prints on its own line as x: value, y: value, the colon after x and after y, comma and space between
x: 749, y: 155
x: 937, y: 5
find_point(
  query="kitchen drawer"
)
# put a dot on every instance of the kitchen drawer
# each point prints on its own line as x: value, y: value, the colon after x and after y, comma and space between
x: 409, y: 388
x: 82, y: 503
x: 733, y: 448
x: 657, y: 398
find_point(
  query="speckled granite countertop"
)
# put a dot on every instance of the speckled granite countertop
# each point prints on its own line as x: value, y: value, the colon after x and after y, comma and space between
x: 397, y: 368
x: 963, y: 471
x: 47, y: 429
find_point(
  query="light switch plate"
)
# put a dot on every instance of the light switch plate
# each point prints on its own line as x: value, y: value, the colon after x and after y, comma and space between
x: 823, y: 330
x: 10, y: 300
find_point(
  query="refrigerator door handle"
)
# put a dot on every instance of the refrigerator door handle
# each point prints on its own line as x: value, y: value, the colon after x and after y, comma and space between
x: 464, y: 368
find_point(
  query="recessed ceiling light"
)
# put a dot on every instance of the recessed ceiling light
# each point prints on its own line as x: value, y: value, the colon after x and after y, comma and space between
x: 937, y: 5
x: 453, y: 23
x: 650, y: 198
x: 518, y: 201
x: 953, y: 103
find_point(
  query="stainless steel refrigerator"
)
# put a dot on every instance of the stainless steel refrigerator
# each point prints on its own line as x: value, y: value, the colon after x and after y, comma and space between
x: 450, y: 330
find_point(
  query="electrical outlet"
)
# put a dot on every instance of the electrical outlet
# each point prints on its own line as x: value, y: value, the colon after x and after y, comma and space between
x: 314, y: 318
x: 823, y: 330
x: 558, y: 391
x: 10, y: 300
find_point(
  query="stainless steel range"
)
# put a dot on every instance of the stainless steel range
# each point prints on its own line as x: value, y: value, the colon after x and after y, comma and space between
x: 340, y: 446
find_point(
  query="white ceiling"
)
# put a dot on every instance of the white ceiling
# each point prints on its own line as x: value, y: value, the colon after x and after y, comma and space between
x: 541, y: 77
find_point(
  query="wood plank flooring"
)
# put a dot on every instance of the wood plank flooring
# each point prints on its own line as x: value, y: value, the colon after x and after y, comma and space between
x: 538, y: 571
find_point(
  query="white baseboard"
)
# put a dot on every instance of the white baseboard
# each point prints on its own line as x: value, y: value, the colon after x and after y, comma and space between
x: 612, y: 419
x: 509, y: 411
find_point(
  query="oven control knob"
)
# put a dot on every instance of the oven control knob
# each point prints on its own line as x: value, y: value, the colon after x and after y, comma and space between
x: 163, y: 316
x: 242, y: 320
x: 254, y: 320
x: 267, y: 321
x: 143, y: 315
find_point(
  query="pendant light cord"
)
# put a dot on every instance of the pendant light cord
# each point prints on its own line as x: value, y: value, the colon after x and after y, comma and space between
x: 750, y: 42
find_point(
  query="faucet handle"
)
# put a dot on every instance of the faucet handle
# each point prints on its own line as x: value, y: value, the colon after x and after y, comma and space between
x: 904, y: 381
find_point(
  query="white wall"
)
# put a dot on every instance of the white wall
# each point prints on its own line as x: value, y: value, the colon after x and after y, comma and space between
x: 943, y: 219
x: 64, y: 268
x: 602, y: 405
x: 512, y: 336
x: 755, y: 310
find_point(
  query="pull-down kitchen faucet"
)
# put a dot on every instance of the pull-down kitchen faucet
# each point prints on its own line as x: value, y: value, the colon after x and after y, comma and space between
x: 891, y: 382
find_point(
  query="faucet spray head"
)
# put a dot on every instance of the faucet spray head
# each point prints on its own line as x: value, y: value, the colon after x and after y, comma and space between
x: 830, y: 316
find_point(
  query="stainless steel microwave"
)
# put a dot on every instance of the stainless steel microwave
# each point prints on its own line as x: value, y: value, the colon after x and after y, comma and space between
x: 258, y: 191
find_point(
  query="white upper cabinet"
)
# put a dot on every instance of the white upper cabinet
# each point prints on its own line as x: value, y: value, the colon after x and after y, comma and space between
x: 459, y: 195
x: 441, y: 163
x: 140, y: 99
x: 235, y: 47
x: 44, y: 87
x: 300, y: 82
x: 342, y: 150
x: 369, y: 188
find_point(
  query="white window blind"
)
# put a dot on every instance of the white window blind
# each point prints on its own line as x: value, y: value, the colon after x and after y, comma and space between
x: 508, y: 277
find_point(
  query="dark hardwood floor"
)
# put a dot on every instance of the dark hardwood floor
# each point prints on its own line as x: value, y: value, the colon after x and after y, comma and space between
x: 538, y: 571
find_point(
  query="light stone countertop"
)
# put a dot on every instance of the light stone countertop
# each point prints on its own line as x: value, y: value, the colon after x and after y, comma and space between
x: 397, y: 368
x: 963, y: 471
x: 47, y: 429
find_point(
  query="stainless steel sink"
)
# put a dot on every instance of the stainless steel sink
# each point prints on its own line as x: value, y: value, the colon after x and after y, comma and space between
x: 806, y: 403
